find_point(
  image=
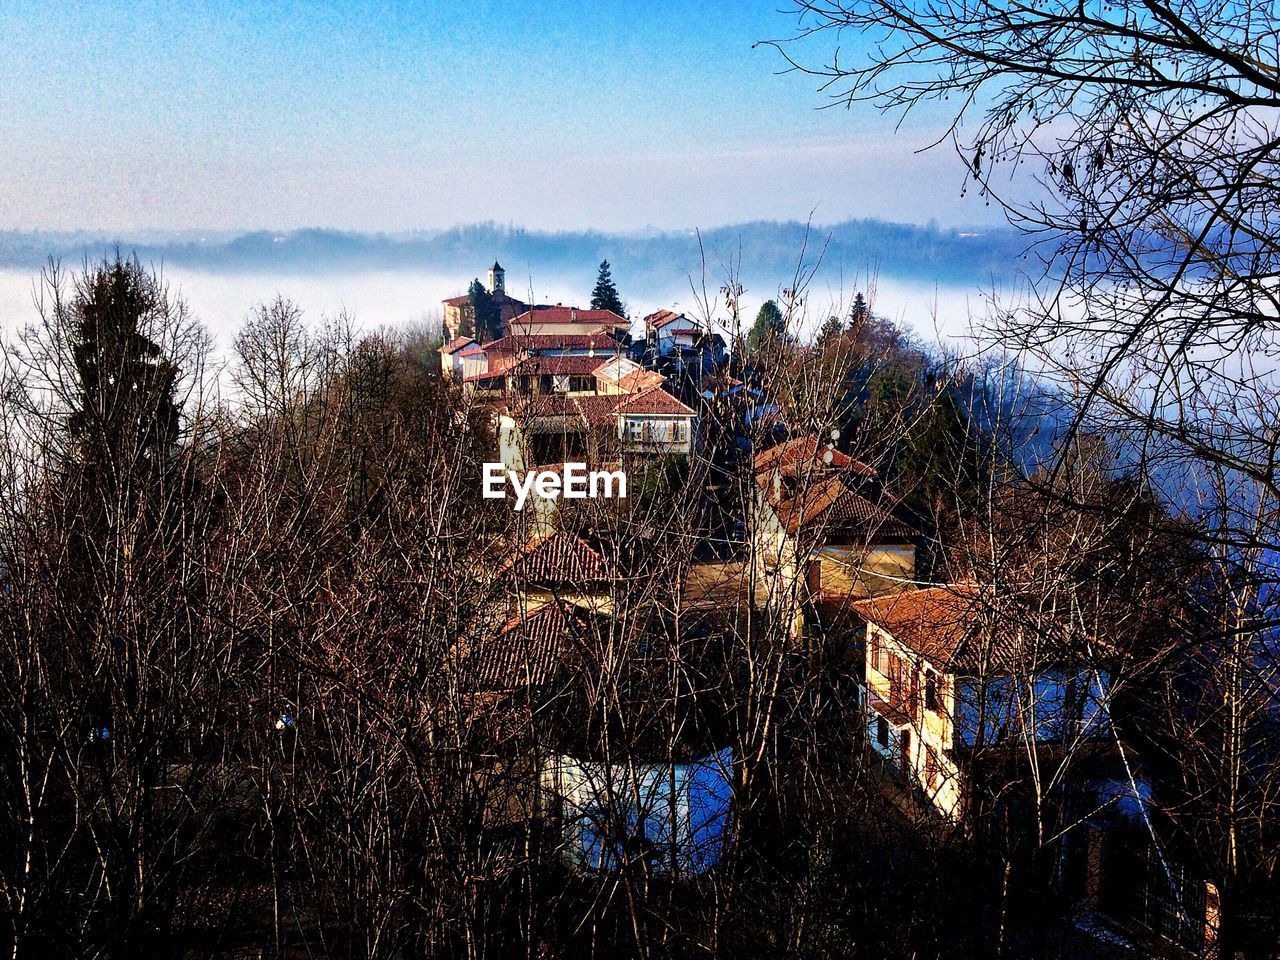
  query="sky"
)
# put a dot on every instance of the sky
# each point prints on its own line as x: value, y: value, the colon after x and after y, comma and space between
x: 389, y: 117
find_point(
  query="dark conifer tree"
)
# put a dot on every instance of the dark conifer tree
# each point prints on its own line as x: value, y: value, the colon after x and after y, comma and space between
x: 124, y: 416
x: 486, y: 316
x: 605, y: 295
x: 770, y: 326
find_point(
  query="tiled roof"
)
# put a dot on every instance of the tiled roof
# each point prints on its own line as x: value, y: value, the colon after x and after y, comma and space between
x: 534, y: 342
x: 799, y: 452
x: 458, y: 301
x: 655, y: 401
x: 564, y: 366
x: 662, y: 318
x: 628, y: 376
x: 498, y: 366
x: 557, y: 557
x: 526, y: 652
x: 964, y: 628
x: 600, y: 408
x: 945, y: 625
x: 834, y: 509
x: 456, y: 344
x: 559, y: 314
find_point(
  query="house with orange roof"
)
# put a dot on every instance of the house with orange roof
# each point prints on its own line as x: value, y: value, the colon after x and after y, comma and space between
x: 819, y: 540
x: 451, y: 356
x: 559, y: 320
x: 950, y: 672
x: 669, y: 331
x: 539, y: 429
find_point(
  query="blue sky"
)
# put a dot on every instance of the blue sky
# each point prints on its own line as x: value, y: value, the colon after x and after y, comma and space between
x: 548, y: 115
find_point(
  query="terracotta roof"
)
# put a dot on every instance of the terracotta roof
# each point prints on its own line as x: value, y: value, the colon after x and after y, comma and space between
x: 564, y: 366
x: 557, y: 557
x: 959, y: 628
x: 662, y: 318
x: 600, y: 408
x: 534, y: 342
x: 793, y: 455
x: 935, y: 622
x: 837, y: 510
x: 641, y: 380
x: 456, y: 344
x: 559, y: 314
x: 526, y: 652
x: 628, y: 375
x: 655, y: 401
x: 458, y: 301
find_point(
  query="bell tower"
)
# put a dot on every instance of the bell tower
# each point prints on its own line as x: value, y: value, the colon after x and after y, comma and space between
x: 497, y: 278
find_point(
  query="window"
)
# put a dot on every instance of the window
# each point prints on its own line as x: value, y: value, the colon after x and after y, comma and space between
x: 931, y: 691
x: 930, y: 767
x: 635, y: 430
x: 882, y: 731
x: 560, y: 383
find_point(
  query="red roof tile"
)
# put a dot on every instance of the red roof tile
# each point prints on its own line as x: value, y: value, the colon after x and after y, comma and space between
x: 663, y: 318
x: 456, y: 344
x: 600, y: 408
x: 557, y: 557
x: 794, y: 455
x: 565, y: 366
x: 655, y: 401
x: 533, y: 342
x: 835, y: 510
x: 526, y: 652
x: 559, y: 314
x: 938, y: 623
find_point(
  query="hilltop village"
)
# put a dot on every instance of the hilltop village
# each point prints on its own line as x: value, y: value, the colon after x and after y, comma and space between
x: 847, y: 672
x: 763, y: 537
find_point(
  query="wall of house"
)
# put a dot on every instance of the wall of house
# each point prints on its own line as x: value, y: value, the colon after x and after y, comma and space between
x: 648, y: 433
x: 932, y: 732
x: 510, y: 444
x: 676, y: 817
x: 855, y: 571
x: 568, y: 329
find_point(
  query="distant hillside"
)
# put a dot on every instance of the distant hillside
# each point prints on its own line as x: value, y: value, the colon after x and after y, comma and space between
x: 900, y: 251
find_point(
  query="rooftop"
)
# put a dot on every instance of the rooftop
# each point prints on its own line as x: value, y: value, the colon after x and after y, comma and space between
x: 839, y: 511
x: 562, y: 314
x: 556, y: 557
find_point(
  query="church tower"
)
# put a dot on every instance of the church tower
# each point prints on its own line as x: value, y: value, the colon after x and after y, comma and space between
x: 497, y: 279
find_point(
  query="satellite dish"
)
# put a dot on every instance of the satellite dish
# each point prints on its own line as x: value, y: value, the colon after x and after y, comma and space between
x: 835, y: 434
x: 828, y: 456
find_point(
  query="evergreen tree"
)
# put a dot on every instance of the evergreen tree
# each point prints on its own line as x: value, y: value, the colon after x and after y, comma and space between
x: 770, y: 326
x: 830, y: 331
x: 858, y: 313
x: 486, y: 316
x: 124, y: 413
x: 605, y: 295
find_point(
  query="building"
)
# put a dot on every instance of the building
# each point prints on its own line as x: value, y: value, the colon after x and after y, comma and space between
x: 458, y: 309
x: 819, y: 540
x: 561, y: 320
x: 544, y: 429
x: 652, y: 800
x: 949, y: 674
x: 451, y: 364
x: 668, y: 332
